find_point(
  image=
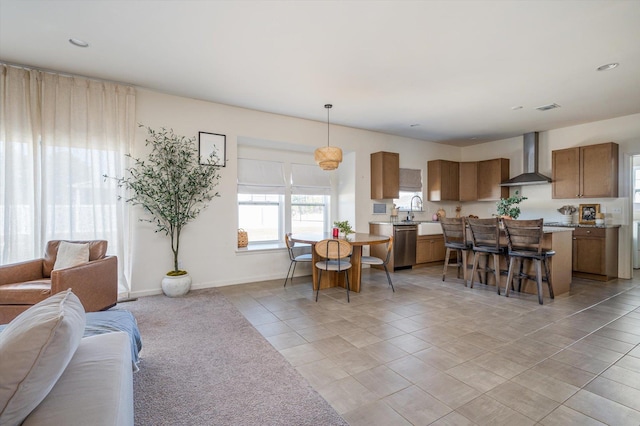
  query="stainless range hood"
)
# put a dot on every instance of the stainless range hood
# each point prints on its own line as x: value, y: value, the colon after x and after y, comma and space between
x: 530, y: 175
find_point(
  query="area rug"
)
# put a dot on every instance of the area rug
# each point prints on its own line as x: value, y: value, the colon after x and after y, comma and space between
x: 202, y: 363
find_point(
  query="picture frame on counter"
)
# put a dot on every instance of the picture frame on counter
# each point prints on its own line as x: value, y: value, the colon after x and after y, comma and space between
x: 587, y: 213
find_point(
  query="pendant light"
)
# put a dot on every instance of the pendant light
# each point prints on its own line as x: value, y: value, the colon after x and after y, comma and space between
x: 328, y: 157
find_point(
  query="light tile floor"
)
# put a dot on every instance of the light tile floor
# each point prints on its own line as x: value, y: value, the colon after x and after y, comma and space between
x: 439, y: 353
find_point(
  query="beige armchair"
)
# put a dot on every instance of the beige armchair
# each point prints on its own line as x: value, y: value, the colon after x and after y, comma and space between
x: 27, y: 283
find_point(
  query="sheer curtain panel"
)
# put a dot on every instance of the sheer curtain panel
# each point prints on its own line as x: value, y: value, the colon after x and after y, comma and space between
x: 58, y: 136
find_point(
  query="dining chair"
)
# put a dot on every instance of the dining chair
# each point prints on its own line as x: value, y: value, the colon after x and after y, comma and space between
x: 334, y: 253
x: 485, y: 235
x: 524, y: 240
x: 455, y: 239
x: 292, y: 256
x: 373, y: 260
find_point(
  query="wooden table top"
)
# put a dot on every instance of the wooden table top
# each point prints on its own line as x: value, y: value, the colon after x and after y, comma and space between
x: 357, y: 239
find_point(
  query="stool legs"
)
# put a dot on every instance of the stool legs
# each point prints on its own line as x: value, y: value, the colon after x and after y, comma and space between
x: 521, y: 275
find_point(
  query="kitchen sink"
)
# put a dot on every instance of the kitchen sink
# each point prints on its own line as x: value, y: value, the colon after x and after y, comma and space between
x: 431, y: 228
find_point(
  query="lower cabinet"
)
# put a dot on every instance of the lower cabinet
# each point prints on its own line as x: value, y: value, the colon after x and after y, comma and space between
x: 595, y: 253
x: 430, y: 248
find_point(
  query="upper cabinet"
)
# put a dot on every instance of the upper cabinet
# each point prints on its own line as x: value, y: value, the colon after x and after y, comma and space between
x: 491, y: 173
x: 443, y: 180
x: 586, y: 172
x: 468, y: 185
x: 385, y: 175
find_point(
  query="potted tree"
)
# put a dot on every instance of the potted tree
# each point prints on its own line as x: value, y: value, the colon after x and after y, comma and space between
x: 508, y: 207
x: 172, y: 187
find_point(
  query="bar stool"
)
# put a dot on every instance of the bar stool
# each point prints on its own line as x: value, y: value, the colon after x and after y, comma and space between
x: 485, y: 234
x: 455, y: 238
x: 524, y: 239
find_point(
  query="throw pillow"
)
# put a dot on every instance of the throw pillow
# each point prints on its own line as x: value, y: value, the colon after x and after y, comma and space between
x: 71, y: 254
x: 35, y: 349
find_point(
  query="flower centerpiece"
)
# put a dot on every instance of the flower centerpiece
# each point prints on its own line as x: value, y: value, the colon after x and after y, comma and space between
x: 507, y: 207
x: 344, y: 227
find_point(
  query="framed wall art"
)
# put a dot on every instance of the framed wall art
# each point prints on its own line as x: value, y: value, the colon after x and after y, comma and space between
x: 209, y: 143
x: 587, y: 213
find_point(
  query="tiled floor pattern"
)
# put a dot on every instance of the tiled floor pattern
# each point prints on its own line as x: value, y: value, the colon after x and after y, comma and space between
x: 439, y: 353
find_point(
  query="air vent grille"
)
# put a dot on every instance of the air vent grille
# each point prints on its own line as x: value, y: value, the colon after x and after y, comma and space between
x: 547, y: 107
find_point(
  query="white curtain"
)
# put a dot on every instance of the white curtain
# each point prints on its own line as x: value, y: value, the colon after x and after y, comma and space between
x: 58, y: 136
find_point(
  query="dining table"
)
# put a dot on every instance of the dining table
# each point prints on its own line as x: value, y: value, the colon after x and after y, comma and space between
x: 332, y: 279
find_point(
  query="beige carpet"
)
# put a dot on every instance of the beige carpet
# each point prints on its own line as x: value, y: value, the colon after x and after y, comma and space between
x: 204, y: 364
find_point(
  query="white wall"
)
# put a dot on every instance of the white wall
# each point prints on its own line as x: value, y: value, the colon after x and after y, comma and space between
x: 208, y: 245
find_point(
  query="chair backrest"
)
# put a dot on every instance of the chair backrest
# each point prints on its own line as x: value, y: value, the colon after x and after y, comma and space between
x: 333, y: 249
x: 485, y: 232
x: 453, y: 230
x: 97, y: 250
x: 290, y: 244
x: 524, y: 235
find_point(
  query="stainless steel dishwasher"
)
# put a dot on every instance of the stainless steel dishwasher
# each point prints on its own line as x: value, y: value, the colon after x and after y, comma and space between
x: 405, y: 238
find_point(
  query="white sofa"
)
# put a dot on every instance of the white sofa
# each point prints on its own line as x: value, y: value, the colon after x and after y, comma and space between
x: 96, y: 388
x: 51, y: 375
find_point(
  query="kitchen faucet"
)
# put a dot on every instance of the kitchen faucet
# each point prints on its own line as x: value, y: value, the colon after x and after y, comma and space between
x: 411, y: 204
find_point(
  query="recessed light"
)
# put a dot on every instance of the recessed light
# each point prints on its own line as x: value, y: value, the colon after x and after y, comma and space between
x: 414, y: 125
x: 607, y: 67
x: 516, y: 107
x: 78, y: 42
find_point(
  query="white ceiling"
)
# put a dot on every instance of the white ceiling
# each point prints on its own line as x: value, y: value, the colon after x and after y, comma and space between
x: 454, y: 68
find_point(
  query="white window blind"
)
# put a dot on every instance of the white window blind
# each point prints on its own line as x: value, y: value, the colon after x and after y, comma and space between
x: 309, y: 180
x: 260, y: 177
x: 411, y: 180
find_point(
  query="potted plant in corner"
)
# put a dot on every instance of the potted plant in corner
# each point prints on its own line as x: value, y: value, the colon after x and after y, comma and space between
x: 508, y: 207
x: 172, y: 187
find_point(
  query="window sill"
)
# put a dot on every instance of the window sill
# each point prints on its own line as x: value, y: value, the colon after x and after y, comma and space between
x: 258, y: 248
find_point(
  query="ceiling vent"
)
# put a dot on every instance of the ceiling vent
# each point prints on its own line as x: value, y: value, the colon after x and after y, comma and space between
x: 547, y: 107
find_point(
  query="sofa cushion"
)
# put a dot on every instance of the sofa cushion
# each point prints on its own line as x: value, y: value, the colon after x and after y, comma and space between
x: 71, y: 254
x: 26, y: 293
x: 35, y: 349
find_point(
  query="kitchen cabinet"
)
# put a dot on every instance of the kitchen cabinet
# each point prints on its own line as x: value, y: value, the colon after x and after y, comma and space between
x: 491, y: 173
x: 468, y: 182
x: 385, y: 175
x: 595, y: 253
x: 443, y: 179
x: 430, y: 248
x: 586, y: 172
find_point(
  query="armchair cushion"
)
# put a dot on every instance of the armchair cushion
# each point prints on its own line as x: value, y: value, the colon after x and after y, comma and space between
x: 35, y: 349
x: 71, y: 254
x: 97, y: 250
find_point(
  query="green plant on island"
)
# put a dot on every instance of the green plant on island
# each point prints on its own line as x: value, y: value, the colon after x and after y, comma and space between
x: 509, y: 206
x: 344, y: 227
x: 170, y: 185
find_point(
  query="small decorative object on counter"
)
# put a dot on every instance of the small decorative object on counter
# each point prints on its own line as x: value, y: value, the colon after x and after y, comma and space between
x: 435, y: 217
x: 567, y: 212
x: 599, y: 219
x: 335, y: 232
x: 394, y: 213
x: 441, y: 213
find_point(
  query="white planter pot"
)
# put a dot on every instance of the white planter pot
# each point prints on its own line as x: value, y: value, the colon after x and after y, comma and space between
x: 566, y: 219
x: 176, y: 286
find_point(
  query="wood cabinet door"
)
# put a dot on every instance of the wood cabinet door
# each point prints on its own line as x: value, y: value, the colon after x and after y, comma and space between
x: 422, y: 250
x: 599, y: 170
x: 468, y: 182
x: 589, y: 255
x: 491, y: 173
x: 430, y: 248
x: 385, y: 175
x: 443, y: 179
x: 566, y: 173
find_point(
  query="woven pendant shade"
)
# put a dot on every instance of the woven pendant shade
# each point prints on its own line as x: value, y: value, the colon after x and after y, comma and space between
x: 328, y: 157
